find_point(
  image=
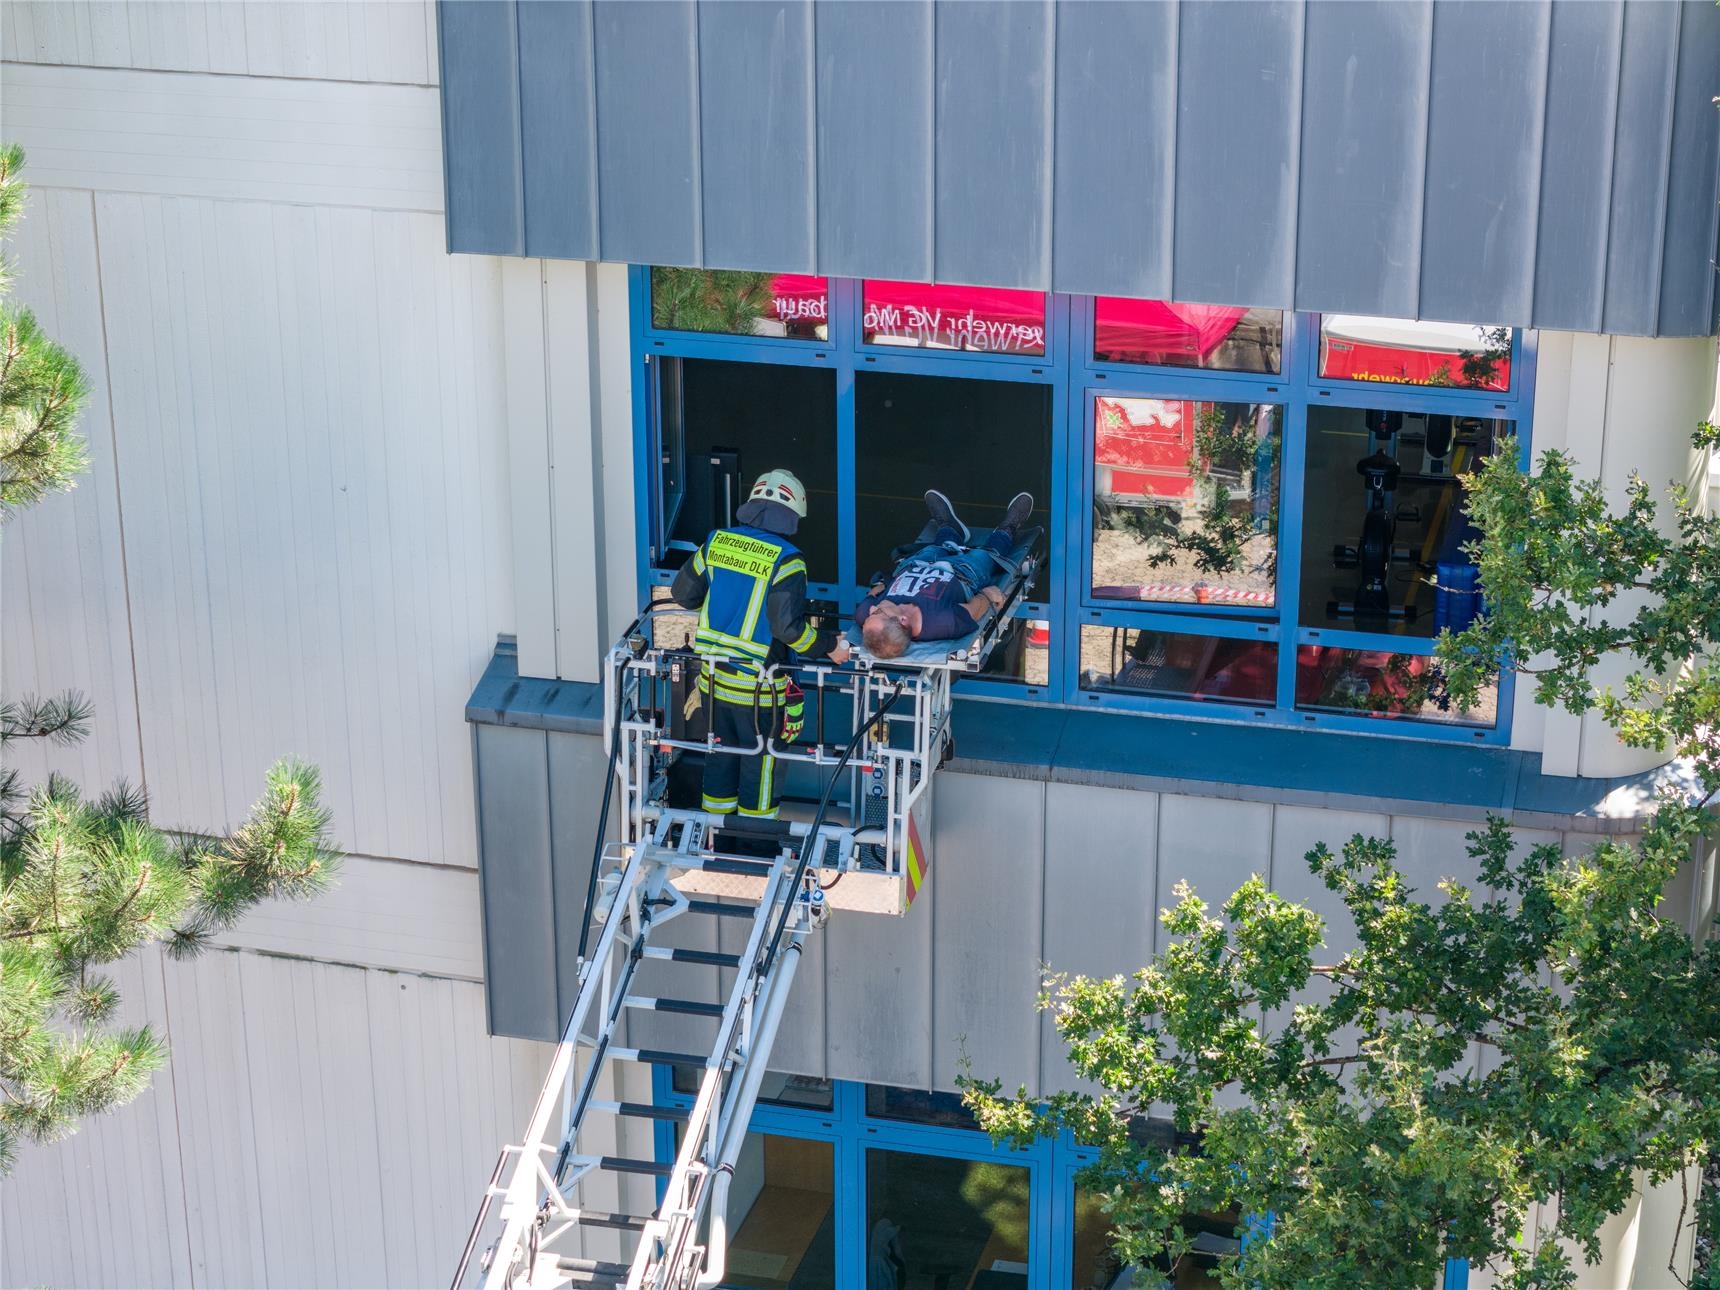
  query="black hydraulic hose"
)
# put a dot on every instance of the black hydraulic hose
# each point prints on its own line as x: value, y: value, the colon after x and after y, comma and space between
x: 769, y: 955
x: 603, y: 816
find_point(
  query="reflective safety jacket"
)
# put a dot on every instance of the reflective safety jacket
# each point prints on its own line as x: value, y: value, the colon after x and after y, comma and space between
x: 749, y: 586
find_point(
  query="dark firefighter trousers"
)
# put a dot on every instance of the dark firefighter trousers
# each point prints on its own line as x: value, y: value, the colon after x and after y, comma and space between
x: 733, y: 782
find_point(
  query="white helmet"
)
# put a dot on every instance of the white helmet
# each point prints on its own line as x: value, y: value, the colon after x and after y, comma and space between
x: 780, y: 486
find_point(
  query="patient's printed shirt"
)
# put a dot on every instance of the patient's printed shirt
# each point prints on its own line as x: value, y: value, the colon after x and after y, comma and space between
x: 935, y: 588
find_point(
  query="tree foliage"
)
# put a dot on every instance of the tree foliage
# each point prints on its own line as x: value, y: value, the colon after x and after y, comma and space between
x: 731, y: 301
x: 1494, y: 1068
x: 84, y: 883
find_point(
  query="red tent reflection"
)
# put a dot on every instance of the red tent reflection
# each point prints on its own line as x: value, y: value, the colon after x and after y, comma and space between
x: 1159, y: 331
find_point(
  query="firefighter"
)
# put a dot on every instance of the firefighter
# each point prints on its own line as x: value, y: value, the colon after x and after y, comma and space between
x: 748, y: 583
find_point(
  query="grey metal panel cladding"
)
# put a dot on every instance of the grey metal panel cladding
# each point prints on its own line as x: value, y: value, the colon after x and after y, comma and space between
x: 558, y: 122
x: 648, y: 166
x: 577, y: 768
x: 1692, y: 215
x: 875, y: 72
x: 1582, y: 104
x: 1239, y: 86
x: 1483, y: 161
x: 514, y: 878
x: 757, y: 126
x: 1112, y: 212
x: 1542, y: 163
x: 1637, y: 227
x: 1364, y: 143
x: 993, y: 219
x: 481, y: 127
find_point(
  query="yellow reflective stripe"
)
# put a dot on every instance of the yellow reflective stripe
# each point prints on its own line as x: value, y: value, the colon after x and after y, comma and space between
x: 711, y: 641
x: 749, y: 624
x: 719, y: 805
x: 804, y: 641
x: 788, y: 568
x: 699, y: 560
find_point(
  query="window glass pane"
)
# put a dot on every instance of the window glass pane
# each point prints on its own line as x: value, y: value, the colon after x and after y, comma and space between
x: 1220, y: 338
x: 796, y: 1090
x: 1363, y: 683
x: 1185, y: 500
x: 1097, y: 1268
x: 1383, y: 519
x: 1178, y: 665
x: 740, y: 303
x: 917, y: 1106
x: 742, y: 419
x: 980, y: 442
x: 1402, y: 351
x: 933, y: 1222
x: 992, y: 320
x: 1022, y: 655
x: 782, y: 1215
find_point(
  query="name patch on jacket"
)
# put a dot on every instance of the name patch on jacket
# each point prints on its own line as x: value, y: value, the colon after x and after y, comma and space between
x: 742, y: 554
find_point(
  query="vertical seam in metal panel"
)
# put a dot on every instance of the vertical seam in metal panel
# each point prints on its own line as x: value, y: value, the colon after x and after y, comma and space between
x: 1426, y: 156
x: 1666, y: 168
x: 555, y: 605
x: 442, y: 105
x: 1176, y: 155
x: 1600, y: 318
x: 1048, y: 200
x: 812, y: 188
x: 119, y: 498
x: 1296, y: 161
x: 932, y: 147
x: 560, y: 1018
x: 1541, y: 170
x: 519, y: 132
x: 593, y: 197
x: 698, y: 138
x: 178, y: 1131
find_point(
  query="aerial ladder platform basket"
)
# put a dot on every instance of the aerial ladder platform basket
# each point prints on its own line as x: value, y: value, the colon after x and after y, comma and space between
x: 876, y: 736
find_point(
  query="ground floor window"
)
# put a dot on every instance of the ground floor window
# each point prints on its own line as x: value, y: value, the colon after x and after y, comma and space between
x: 843, y: 1184
x: 1248, y: 514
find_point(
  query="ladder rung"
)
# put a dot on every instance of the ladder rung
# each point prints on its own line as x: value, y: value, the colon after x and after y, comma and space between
x: 593, y: 1271
x: 643, y: 1110
x: 622, y: 1165
x: 738, y: 865
x: 688, y: 1007
x: 658, y: 1057
x: 721, y: 910
x: 709, y: 958
x: 621, y: 1222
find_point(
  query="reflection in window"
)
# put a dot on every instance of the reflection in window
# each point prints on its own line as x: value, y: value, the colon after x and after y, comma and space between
x: 1178, y: 665
x: 1185, y: 501
x: 991, y: 320
x: 1402, y: 351
x: 936, y: 1222
x: 1375, y: 683
x: 740, y: 303
x: 1384, y: 524
x: 806, y: 1091
x: 918, y: 1106
x: 1219, y: 338
x: 1022, y: 655
x: 1098, y: 1268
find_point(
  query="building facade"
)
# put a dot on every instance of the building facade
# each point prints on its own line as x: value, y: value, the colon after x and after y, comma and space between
x: 397, y: 426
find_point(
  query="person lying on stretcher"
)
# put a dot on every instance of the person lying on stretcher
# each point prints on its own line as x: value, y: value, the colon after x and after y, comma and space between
x: 943, y: 588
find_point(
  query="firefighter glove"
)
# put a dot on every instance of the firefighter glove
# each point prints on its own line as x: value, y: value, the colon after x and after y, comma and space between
x: 793, y: 712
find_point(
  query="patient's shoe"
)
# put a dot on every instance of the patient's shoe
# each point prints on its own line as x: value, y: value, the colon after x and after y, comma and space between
x: 945, y: 515
x: 1020, y: 507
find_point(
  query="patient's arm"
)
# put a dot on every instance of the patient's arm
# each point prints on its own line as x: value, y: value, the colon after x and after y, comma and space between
x: 986, y: 599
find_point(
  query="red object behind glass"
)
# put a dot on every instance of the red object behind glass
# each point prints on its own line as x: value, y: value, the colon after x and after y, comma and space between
x: 1142, y: 447
x: 1158, y: 331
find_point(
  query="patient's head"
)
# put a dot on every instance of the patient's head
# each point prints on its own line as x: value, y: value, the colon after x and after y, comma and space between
x: 885, y: 635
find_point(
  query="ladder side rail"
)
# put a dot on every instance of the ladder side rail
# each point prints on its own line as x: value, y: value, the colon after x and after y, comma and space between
x: 519, y: 1203
x: 700, y: 1119
x: 739, y: 1116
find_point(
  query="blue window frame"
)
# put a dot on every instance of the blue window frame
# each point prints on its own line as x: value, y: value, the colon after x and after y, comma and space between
x: 852, y: 1130
x: 1352, y: 676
